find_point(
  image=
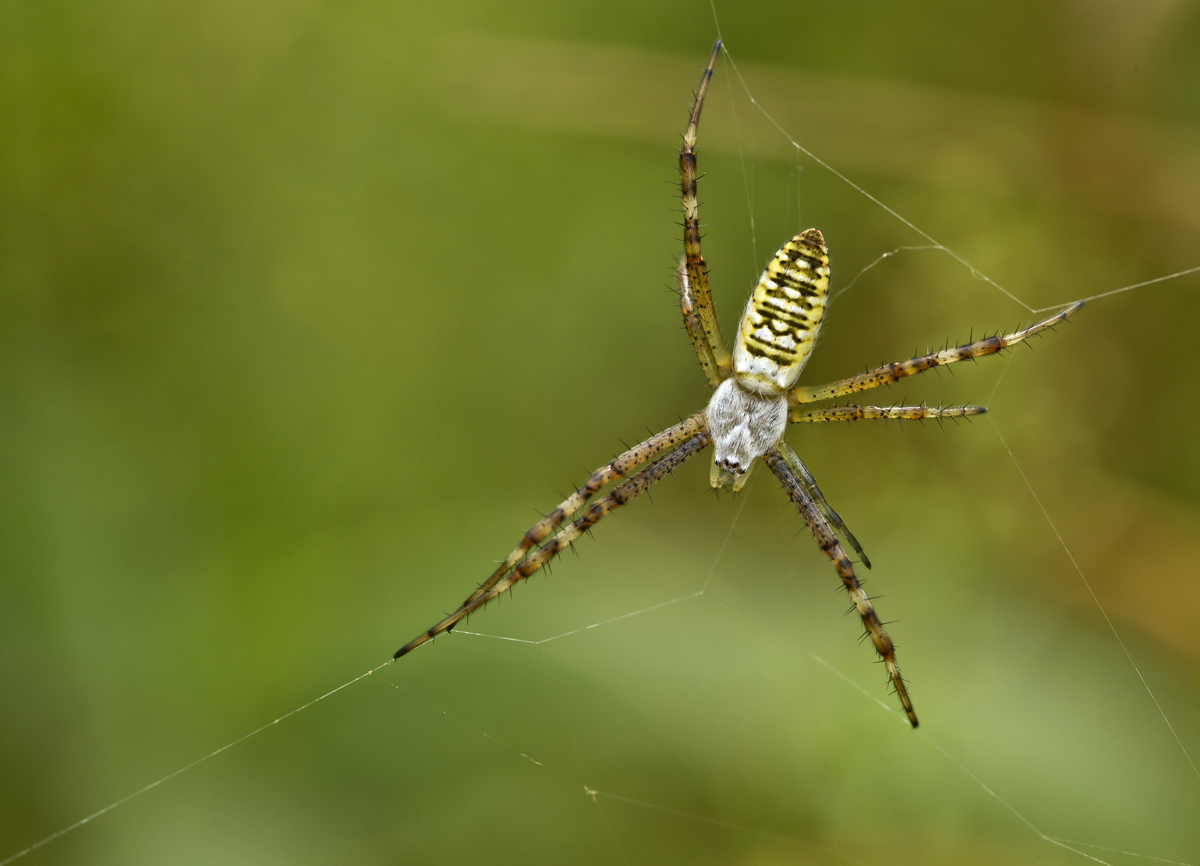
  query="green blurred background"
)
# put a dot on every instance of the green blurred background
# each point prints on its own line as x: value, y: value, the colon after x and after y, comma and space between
x: 303, y: 305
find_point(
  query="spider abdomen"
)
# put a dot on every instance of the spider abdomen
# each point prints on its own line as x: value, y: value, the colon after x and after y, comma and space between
x: 779, y: 327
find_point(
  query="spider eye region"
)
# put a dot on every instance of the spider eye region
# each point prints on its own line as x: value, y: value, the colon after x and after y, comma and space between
x: 743, y: 425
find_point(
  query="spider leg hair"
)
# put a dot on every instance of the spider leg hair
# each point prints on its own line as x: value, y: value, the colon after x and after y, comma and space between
x: 695, y: 299
x: 828, y: 542
x: 894, y: 413
x: 806, y: 479
x: 695, y: 326
x: 618, y: 496
x: 889, y: 373
x: 620, y: 466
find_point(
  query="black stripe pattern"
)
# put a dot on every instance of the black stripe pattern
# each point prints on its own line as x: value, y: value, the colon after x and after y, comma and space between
x: 779, y: 328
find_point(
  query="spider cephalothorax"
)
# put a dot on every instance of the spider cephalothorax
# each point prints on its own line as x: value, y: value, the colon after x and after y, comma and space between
x: 744, y: 426
x: 754, y: 397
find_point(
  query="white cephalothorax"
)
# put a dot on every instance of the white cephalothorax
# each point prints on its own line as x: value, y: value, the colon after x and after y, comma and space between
x: 744, y: 426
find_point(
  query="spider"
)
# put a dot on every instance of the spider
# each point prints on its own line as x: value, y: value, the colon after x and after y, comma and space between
x: 754, y: 397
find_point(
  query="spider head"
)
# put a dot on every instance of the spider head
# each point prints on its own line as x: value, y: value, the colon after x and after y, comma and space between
x: 743, y: 426
x: 730, y: 476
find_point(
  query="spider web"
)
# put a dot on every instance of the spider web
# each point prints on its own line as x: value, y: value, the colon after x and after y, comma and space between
x: 1088, y: 850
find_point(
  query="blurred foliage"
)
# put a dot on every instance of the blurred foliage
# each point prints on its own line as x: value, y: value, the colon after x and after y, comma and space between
x: 302, y: 305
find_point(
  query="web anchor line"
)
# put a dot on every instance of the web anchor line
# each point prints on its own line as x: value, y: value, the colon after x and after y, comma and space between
x: 1095, y: 598
x: 1033, y: 310
x: 701, y: 591
x: 544, y: 640
x: 1110, y: 292
x: 1119, y: 851
x: 121, y: 802
x: 900, y: 249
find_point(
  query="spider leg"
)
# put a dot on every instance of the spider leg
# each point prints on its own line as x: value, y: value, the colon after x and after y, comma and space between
x: 618, y: 468
x: 896, y: 413
x: 889, y: 373
x: 814, y: 492
x: 618, y: 496
x: 828, y: 542
x: 695, y: 326
x: 695, y: 299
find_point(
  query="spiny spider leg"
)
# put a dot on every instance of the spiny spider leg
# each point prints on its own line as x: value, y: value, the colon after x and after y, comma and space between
x: 618, y: 496
x: 695, y: 299
x: 620, y: 466
x: 828, y: 542
x: 889, y: 373
x: 814, y: 492
x: 896, y: 413
x: 695, y: 328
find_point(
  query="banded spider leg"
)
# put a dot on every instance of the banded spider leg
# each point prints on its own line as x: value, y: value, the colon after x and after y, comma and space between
x: 619, y: 467
x: 823, y: 533
x: 695, y: 298
x: 894, y: 372
x: 680, y: 442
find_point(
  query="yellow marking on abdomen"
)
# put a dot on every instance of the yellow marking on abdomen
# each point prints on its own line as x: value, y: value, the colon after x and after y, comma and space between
x: 779, y: 328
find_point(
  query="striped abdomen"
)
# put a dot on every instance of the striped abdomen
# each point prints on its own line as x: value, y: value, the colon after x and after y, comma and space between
x: 779, y: 327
